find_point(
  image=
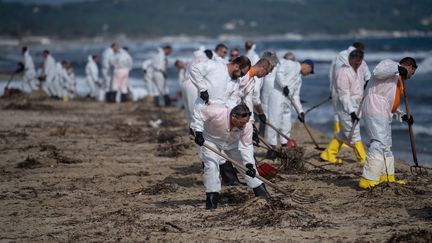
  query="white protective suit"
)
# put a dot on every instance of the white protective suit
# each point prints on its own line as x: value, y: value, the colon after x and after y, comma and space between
x: 213, y: 77
x: 190, y: 91
x: 287, y: 74
x: 380, y: 105
x: 159, y: 65
x: 219, y: 59
x: 252, y: 55
x: 213, y: 121
x: 92, y: 77
x: 107, y: 69
x: 51, y: 85
x: 148, y: 78
x: 349, y: 92
x: 267, y: 86
x: 340, y: 60
x: 66, y: 81
x: 122, y: 63
x: 29, y: 74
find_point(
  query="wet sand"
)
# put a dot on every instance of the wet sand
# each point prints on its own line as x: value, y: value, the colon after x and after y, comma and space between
x: 84, y: 171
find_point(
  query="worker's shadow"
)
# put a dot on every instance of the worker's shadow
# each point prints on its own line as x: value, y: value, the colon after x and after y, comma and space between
x: 195, y: 168
x: 178, y: 203
x: 423, y: 213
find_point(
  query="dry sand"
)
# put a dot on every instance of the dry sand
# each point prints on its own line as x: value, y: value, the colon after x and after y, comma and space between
x: 68, y: 170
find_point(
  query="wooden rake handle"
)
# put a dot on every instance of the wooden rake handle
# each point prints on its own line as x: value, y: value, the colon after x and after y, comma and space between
x: 244, y: 169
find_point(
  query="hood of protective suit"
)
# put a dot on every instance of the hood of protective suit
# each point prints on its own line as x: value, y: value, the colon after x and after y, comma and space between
x: 386, y: 69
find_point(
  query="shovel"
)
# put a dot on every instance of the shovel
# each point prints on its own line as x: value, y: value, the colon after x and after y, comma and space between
x: 289, y: 140
x: 266, y: 170
x: 416, y: 168
x: 318, y: 105
x: 304, y: 124
x: 295, y: 197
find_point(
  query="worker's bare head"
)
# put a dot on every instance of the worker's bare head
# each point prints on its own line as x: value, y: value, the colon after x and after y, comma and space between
x: 24, y: 49
x: 45, y: 53
x: 409, y: 64
x: 262, y: 67
x: 95, y: 58
x: 114, y: 46
x: 179, y: 64
x: 355, y: 59
x: 239, y: 116
x: 239, y: 67
x: 359, y: 46
x: 248, y: 45
x: 234, y: 53
x: 289, y: 56
x: 167, y: 50
x: 273, y: 59
x: 221, y: 50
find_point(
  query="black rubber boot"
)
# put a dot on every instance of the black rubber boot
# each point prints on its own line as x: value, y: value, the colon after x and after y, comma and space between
x: 123, y: 98
x: 271, y: 154
x: 156, y: 101
x: 212, y: 199
x: 111, y: 96
x: 167, y: 100
x: 261, y: 191
x: 228, y: 174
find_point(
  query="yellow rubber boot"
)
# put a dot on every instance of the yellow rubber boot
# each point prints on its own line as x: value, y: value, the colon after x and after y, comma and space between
x: 336, y: 127
x: 367, y: 184
x: 360, y: 152
x: 331, y: 151
x: 391, y: 179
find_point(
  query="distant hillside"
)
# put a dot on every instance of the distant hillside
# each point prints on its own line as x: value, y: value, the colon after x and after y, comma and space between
x: 149, y: 18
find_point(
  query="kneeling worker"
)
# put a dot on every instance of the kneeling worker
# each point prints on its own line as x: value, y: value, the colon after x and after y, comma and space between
x: 224, y: 130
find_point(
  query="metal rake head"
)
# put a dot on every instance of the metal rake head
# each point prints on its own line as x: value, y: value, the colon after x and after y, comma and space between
x: 420, y: 170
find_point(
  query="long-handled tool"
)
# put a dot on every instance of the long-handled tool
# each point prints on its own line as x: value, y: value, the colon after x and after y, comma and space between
x: 294, y: 197
x: 304, y: 124
x: 318, y: 105
x: 416, y: 168
x: 20, y: 68
x: 355, y: 123
x: 266, y: 170
x: 289, y: 140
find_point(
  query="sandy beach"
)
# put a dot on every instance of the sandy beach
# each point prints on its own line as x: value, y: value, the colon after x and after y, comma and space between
x: 83, y: 171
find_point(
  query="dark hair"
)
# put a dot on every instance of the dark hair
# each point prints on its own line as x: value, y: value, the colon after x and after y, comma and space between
x: 208, y: 53
x: 46, y: 52
x: 240, y: 110
x: 94, y: 57
x: 242, y: 61
x: 24, y: 48
x: 356, y: 54
x: 220, y: 46
x: 264, y: 62
x: 359, y: 46
x: 167, y: 47
x: 248, y: 45
x: 408, y: 61
x: 271, y: 57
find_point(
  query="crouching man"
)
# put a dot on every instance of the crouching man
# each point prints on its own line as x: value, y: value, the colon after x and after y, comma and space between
x: 226, y: 131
